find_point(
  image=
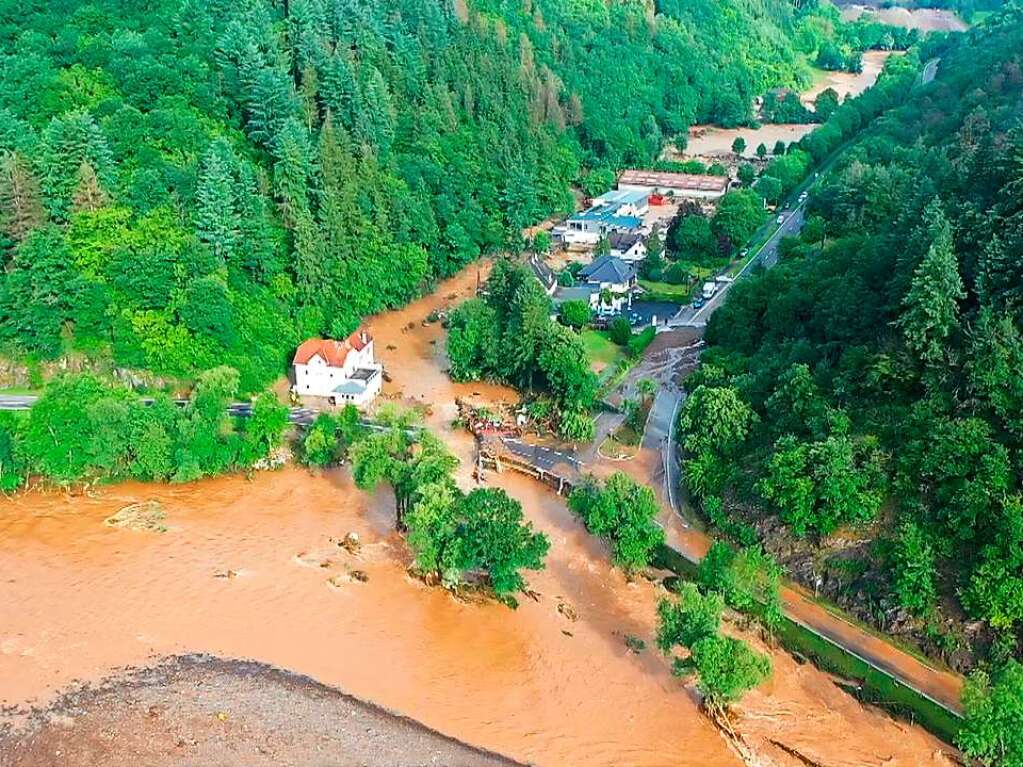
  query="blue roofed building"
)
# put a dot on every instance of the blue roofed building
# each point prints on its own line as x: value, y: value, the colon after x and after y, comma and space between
x: 618, y: 211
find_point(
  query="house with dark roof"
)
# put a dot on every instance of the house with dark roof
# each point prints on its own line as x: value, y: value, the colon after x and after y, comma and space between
x: 608, y: 283
x: 628, y: 246
x: 609, y: 271
x: 344, y: 372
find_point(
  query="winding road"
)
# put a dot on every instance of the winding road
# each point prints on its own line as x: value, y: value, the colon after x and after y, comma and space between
x: 663, y: 473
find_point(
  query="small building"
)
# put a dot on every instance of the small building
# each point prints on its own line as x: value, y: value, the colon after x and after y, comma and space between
x: 344, y: 372
x: 689, y: 185
x: 610, y: 282
x: 628, y: 246
x: 618, y: 211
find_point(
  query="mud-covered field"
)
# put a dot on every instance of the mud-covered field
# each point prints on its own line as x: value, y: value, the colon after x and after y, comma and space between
x: 200, y: 710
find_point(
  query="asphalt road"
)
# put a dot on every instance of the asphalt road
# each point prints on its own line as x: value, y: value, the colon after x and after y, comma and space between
x: 542, y: 457
x: 766, y: 257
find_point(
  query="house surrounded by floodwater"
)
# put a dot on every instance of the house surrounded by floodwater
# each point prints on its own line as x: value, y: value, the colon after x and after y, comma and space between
x: 344, y: 372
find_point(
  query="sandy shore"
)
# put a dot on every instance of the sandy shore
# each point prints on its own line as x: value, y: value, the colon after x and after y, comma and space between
x: 200, y: 710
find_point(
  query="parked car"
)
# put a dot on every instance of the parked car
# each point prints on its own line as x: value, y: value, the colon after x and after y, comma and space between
x: 781, y: 219
x: 698, y: 302
x: 743, y: 253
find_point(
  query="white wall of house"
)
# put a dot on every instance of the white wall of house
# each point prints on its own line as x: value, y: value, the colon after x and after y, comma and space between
x: 317, y: 378
x: 366, y: 395
x: 621, y: 298
x: 634, y: 254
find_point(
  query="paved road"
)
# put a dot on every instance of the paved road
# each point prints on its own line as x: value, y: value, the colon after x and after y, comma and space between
x: 659, y: 439
x: 767, y: 256
x: 563, y: 463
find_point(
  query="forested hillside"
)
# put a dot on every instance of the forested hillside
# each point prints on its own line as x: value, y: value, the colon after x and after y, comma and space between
x: 861, y: 405
x: 185, y: 184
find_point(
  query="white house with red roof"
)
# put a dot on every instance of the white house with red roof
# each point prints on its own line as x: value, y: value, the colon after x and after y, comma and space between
x: 345, y: 372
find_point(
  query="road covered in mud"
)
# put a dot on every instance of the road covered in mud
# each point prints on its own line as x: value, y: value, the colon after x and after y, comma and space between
x: 255, y: 569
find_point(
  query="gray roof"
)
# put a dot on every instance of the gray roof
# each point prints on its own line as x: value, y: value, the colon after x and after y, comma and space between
x: 623, y: 240
x: 351, y: 386
x: 608, y: 269
x: 575, y: 293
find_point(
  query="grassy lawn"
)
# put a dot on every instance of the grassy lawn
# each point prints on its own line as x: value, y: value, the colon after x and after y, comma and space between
x: 600, y: 350
x: 665, y: 291
x: 616, y: 450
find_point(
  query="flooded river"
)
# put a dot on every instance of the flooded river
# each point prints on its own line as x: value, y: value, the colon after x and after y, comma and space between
x: 710, y: 141
x: 80, y: 599
x: 924, y: 19
x: 252, y: 569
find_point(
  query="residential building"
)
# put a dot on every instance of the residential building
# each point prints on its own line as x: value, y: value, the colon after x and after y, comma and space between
x: 609, y: 283
x: 628, y: 246
x: 690, y: 185
x: 344, y: 372
x: 617, y: 211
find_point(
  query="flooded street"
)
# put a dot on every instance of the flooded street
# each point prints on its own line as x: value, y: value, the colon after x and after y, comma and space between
x: 252, y: 569
x: 710, y: 141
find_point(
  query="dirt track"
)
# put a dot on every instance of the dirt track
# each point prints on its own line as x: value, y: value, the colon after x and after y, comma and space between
x: 197, y: 710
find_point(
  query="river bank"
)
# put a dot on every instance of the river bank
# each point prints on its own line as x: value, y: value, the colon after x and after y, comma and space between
x: 710, y: 142
x: 923, y: 19
x: 252, y: 568
x: 203, y: 710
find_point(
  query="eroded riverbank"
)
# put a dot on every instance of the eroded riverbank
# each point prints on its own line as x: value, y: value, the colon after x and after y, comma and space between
x: 253, y: 569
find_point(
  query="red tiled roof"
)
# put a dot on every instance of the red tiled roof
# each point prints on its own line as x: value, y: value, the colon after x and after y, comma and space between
x: 333, y: 352
x: 359, y: 340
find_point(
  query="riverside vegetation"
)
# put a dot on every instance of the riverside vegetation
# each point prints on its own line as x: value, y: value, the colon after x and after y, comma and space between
x: 861, y: 401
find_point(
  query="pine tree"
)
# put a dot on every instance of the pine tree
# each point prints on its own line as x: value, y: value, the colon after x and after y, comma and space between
x: 931, y: 312
x: 339, y: 214
x: 271, y: 103
x: 21, y: 206
x: 338, y: 89
x: 216, y: 217
x: 258, y: 242
x: 374, y: 121
x: 89, y: 195
x: 68, y: 142
x: 293, y: 172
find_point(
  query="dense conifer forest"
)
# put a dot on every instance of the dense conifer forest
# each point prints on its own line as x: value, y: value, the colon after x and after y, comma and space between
x: 188, y: 184
x: 865, y: 394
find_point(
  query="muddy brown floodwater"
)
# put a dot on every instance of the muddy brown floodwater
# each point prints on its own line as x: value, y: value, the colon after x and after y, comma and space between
x: 80, y: 598
x: 709, y: 141
x: 924, y: 19
x: 252, y: 569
